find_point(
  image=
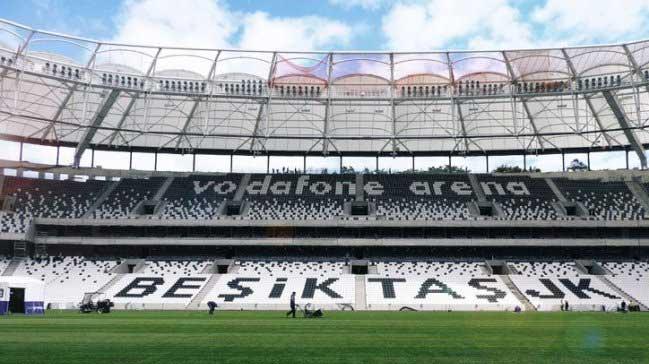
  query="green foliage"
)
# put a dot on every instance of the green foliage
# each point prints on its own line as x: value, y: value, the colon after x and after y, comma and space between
x: 514, y: 169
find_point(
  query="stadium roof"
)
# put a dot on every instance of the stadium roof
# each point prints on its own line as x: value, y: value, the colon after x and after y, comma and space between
x: 64, y: 90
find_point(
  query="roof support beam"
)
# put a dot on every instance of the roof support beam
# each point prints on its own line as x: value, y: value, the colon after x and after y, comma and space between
x: 621, y: 117
x: 327, y: 114
x: 451, y: 89
x: 595, y: 114
x: 134, y: 98
x: 460, y: 118
x: 634, y: 64
x: 19, y: 51
x: 190, y: 116
x: 575, y: 78
x: 125, y: 114
x: 393, y: 111
x: 255, y: 133
x: 95, y: 122
x: 71, y: 92
x: 530, y: 118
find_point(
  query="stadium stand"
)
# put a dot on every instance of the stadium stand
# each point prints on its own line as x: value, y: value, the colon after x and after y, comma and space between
x: 128, y: 194
x: 636, y: 287
x: 275, y: 268
x: 298, y: 197
x: 13, y: 223
x: 478, y: 293
x: 421, y: 197
x: 426, y: 241
x: 175, y: 267
x: 637, y: 269
x: 47, y: 198
x: 521, y: 197
x: 441, y: 269
x: 253, y: 283
x: 198, y: 197
x: 161, y: 284
x: 604, y: 200
x: 583, y: 293
x: 239, y: 291
x: 4, y: 262
x: 396, y: 197
x: 67, y: 278
x: 545, y: 269
x: 631, y: 277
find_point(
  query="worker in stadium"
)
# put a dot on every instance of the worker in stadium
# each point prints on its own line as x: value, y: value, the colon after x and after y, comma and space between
x: 212, y: 306
x: 292, y: 311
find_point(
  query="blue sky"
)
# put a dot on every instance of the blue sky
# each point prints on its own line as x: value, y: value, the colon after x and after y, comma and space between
x: 341, y: 24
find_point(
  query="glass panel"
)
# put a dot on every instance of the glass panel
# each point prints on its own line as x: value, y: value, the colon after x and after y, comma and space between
x: 212, y: 163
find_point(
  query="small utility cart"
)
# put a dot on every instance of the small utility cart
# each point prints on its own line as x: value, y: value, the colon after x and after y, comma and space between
x: 95, y: 302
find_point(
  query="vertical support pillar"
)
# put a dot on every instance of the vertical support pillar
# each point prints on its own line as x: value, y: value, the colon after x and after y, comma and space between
x: 450, y: 165
x: 524, y: 162
x: 194, y: 162
x: 92, y: 158
x: 588, y: 159
x: 413, y: 163
x: 341, y: 164
x: 155, y: 161
x: 231, y: 162
x: 304, y: 164
x: 376, y: 167
x: 58, y: 154
x: 487, y: 162
x: 130, y: 159
x: 563, y: 161
x: 20, y: 154
x: 267, y: 164
x: 626, y: 154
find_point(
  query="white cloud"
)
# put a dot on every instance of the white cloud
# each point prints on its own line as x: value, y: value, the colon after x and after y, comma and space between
x: 500, y: 24
x: 201, y: 23
x: 211, y: 24
x: 364, y: 4
x: 592, y: 20
x: 436, y: 24
x: 263, y: 32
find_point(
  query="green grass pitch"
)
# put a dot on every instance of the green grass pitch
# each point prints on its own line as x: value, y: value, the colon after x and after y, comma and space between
x: 339, y: 337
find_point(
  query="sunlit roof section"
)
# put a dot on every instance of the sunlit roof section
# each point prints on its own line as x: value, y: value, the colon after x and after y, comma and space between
x: 81, y: 93
x: 433, y: 64
x: 301, y: 66
x: 593, y: 61
x: 545, y: 64
x: 475, y: 63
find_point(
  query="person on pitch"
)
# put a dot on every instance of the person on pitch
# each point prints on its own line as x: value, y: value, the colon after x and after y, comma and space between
x: 292, y: 311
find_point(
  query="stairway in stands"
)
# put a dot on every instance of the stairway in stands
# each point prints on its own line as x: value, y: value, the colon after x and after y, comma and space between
x: 207, y: 288
x: 13, y: 265
x: 110, y: 283
x: 521, y: 297
x: 361, y: 295
x: 622, y: 293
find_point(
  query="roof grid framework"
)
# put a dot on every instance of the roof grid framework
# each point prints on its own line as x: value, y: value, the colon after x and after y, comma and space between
x: 372, y: 103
